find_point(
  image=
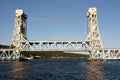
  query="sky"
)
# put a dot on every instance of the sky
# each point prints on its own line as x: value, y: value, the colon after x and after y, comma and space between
x: 61, y: 19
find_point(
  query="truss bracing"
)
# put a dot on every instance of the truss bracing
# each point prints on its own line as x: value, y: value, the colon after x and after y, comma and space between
x: 9, y: 54
x: 106, y: 53
x: 51, y: 45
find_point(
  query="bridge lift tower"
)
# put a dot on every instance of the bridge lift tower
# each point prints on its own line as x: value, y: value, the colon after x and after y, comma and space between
x: 93, y: 30
x: 20, y: 28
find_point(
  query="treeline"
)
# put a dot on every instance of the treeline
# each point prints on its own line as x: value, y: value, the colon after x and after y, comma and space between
x: 4, y: 46
x: 52, y: 54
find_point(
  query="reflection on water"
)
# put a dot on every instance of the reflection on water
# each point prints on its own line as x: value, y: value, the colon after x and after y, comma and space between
x: 59, y: 69
x: 94, y: 71
x: 18, y: 70
x: 12, y: 70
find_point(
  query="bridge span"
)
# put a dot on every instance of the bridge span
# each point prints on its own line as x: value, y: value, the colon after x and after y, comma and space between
x: 45, y: 45
x: 55, y: 45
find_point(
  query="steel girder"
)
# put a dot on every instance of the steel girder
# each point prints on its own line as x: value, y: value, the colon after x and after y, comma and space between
x: 106, y: 53
x: 55, y: 45
x: 7, y: 54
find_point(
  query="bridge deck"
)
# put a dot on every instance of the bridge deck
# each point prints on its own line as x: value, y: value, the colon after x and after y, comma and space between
x: 108, y: 49
x: 54, y: 41
x: 8, y: 49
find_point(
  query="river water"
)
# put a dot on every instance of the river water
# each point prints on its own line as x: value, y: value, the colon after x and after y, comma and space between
x: 60, y: 69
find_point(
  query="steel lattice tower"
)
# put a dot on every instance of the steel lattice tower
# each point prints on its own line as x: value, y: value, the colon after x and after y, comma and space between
x: 20, y: 28
x: 93, y: 30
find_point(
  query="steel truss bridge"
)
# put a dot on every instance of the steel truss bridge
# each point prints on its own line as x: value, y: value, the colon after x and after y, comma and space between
x: 92, y: 44
x: 55, y: 45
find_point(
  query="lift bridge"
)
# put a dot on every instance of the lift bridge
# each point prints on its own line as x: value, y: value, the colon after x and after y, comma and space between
x: 92, y: 44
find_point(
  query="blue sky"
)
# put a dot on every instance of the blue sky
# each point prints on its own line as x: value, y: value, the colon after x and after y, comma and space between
x: 73, y: 25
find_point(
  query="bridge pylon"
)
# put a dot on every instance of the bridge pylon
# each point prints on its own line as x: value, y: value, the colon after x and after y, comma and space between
x: 93, y: 30
x: 20, y: 28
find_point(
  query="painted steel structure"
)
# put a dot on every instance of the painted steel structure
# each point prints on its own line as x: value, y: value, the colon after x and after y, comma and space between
x: 92, y: 44
x: 106, y: 53
x: 93, y: 30
x: 20, y: 29
x: 9, y: 54
x: 55, y: 45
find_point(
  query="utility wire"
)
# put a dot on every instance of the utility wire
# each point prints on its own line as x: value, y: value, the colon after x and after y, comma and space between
x: 55, y: 19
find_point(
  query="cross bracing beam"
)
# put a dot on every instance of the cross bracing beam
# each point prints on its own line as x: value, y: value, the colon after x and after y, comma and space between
x: 55, y: 45
x: 7, y: 54
x: 106, y: 53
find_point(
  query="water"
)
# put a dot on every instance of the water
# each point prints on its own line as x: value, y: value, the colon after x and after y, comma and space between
x: 60, y: 69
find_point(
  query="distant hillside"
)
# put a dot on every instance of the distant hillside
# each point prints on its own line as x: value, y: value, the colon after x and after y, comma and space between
x: 52, y: 54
